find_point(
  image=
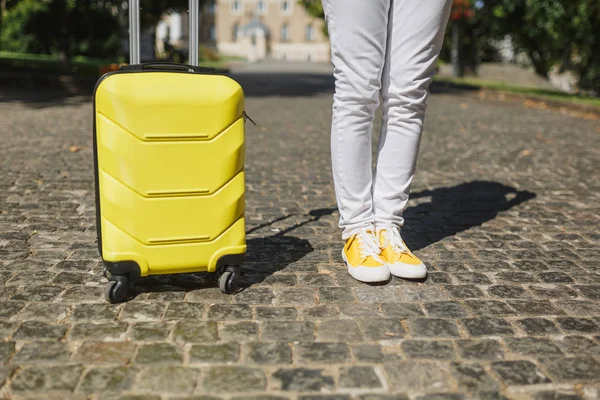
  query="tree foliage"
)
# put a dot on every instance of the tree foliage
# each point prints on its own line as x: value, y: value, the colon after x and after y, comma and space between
x: 75, y: 27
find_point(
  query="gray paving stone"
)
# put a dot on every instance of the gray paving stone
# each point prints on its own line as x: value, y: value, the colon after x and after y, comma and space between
x: 276, y: 313
x: 418, y: 376
x: 195, y: 332
x: 215, y: 353
x: 339, y: 331
x: 269, y: 353
x: 325, y: 311
x: 225, y: 312
x: 519, y: 372
x: 576, y: 345
x: 464, y: 291
x: 94, y: 312
x: 335, y: 295
x: 100, y: 331
x: 302, y: 380
x: 37, y: 293
x: 181, y: 310
x: 42, y: 352
x: 436, y: 350
x: 581, y: 368
x: 46, y: 378
x: 353, y: 310
x: 149, y: 331
x: 370, y: 353
x: 538, y: 326
x: 296, y: 297
x: 535, y: 307
x: 104, y: 353
x: 322, y: 352
x: 142, y: 312
x: 487, y: 326
x: 359, y: 378
x: 490, y: 308
x: 257, y: 295
x: 159, y: 353
x: 7, y: 350
x: 36, y: 330
x: 472, y: 377
x: 376, y: 329
x: 483, y: 349
x: 171, y: 379
x: 402, y: 310
x: 578, y: 325
x: 446, y: 309
x: 288, y: 330
x: 244, y: 331
x: 433, y: 327
x: 107, y: 379
x: 10, y: 308
x: 533, y: 346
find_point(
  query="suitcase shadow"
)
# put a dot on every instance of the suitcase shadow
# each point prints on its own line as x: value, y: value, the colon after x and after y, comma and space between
x: 265, y: 256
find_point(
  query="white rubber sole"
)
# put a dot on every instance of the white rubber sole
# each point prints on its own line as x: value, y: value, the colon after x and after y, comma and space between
x: 368, y: 274
x: 408, y: 271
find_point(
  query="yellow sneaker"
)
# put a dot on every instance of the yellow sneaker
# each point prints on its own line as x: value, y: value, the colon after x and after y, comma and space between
x: 361, y: 255
x: 399, y: 259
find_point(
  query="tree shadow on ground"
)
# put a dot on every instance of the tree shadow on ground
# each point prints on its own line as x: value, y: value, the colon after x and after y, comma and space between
x: 449, y: 211
x: 255, y: 84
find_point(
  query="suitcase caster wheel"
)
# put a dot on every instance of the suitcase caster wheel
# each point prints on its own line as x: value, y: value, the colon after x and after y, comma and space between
x: 228, y: 281
x: 107, y: 273
x: 116, y: 290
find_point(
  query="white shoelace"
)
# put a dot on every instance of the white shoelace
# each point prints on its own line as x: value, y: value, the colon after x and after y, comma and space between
x: 392, y: 236
x: 368, y: 245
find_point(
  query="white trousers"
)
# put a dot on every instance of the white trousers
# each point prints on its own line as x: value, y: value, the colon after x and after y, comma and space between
x: 384, y: 52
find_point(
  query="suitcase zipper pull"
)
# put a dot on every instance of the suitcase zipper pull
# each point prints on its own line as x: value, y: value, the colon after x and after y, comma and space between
x: 247, y: 118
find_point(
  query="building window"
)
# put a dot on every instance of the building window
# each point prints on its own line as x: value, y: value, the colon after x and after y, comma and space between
x: 211, y: 6
x: 261, y: 7
x: 236, y: 7
x: 309, y: 34
x: 235, y: 32
x: 213, y: 33
x: 285, y: 34
x: 286, y: 7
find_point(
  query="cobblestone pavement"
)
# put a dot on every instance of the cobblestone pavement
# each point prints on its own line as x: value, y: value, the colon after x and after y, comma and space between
x: 505, y: 210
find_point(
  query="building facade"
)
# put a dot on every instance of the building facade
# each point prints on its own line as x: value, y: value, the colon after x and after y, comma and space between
x: 252, y: 29
x: 276, y: 29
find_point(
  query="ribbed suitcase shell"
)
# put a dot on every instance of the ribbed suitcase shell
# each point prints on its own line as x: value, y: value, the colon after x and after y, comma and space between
x: 169, y: 160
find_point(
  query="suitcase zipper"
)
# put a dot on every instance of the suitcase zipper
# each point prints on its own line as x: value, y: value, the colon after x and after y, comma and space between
x: 247, y: 118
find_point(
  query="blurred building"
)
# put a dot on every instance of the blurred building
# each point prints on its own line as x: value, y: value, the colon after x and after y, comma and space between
x: 252, y: 29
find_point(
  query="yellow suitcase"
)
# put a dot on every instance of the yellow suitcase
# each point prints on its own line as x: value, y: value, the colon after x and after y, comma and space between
x: 169, y: 152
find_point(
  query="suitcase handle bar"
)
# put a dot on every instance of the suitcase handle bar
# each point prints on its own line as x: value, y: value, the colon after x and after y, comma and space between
x: 134, y: 31
x: 167, y: 66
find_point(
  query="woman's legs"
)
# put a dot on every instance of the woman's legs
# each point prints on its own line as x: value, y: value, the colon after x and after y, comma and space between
x: 357, y: 32
x: 416, y: 33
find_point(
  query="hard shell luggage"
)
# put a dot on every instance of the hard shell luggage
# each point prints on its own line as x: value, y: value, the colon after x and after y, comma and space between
x: 169, y: 152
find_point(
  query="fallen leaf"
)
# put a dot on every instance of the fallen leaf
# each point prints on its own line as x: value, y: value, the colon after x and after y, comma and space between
x: 74, y: 149
x: 464, y: 106
x: 526, y: 152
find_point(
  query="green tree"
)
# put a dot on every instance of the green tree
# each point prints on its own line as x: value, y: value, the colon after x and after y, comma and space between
x: 75, y: 27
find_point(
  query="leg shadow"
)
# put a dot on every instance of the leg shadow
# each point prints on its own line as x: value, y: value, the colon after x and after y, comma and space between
x: 456, y: 209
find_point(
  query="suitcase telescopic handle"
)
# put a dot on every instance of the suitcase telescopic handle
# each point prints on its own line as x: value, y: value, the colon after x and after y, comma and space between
x: 134, y: 31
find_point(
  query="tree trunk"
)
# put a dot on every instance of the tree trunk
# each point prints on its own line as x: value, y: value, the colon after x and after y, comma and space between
x: 538, y: 64
x: 457, y: 67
